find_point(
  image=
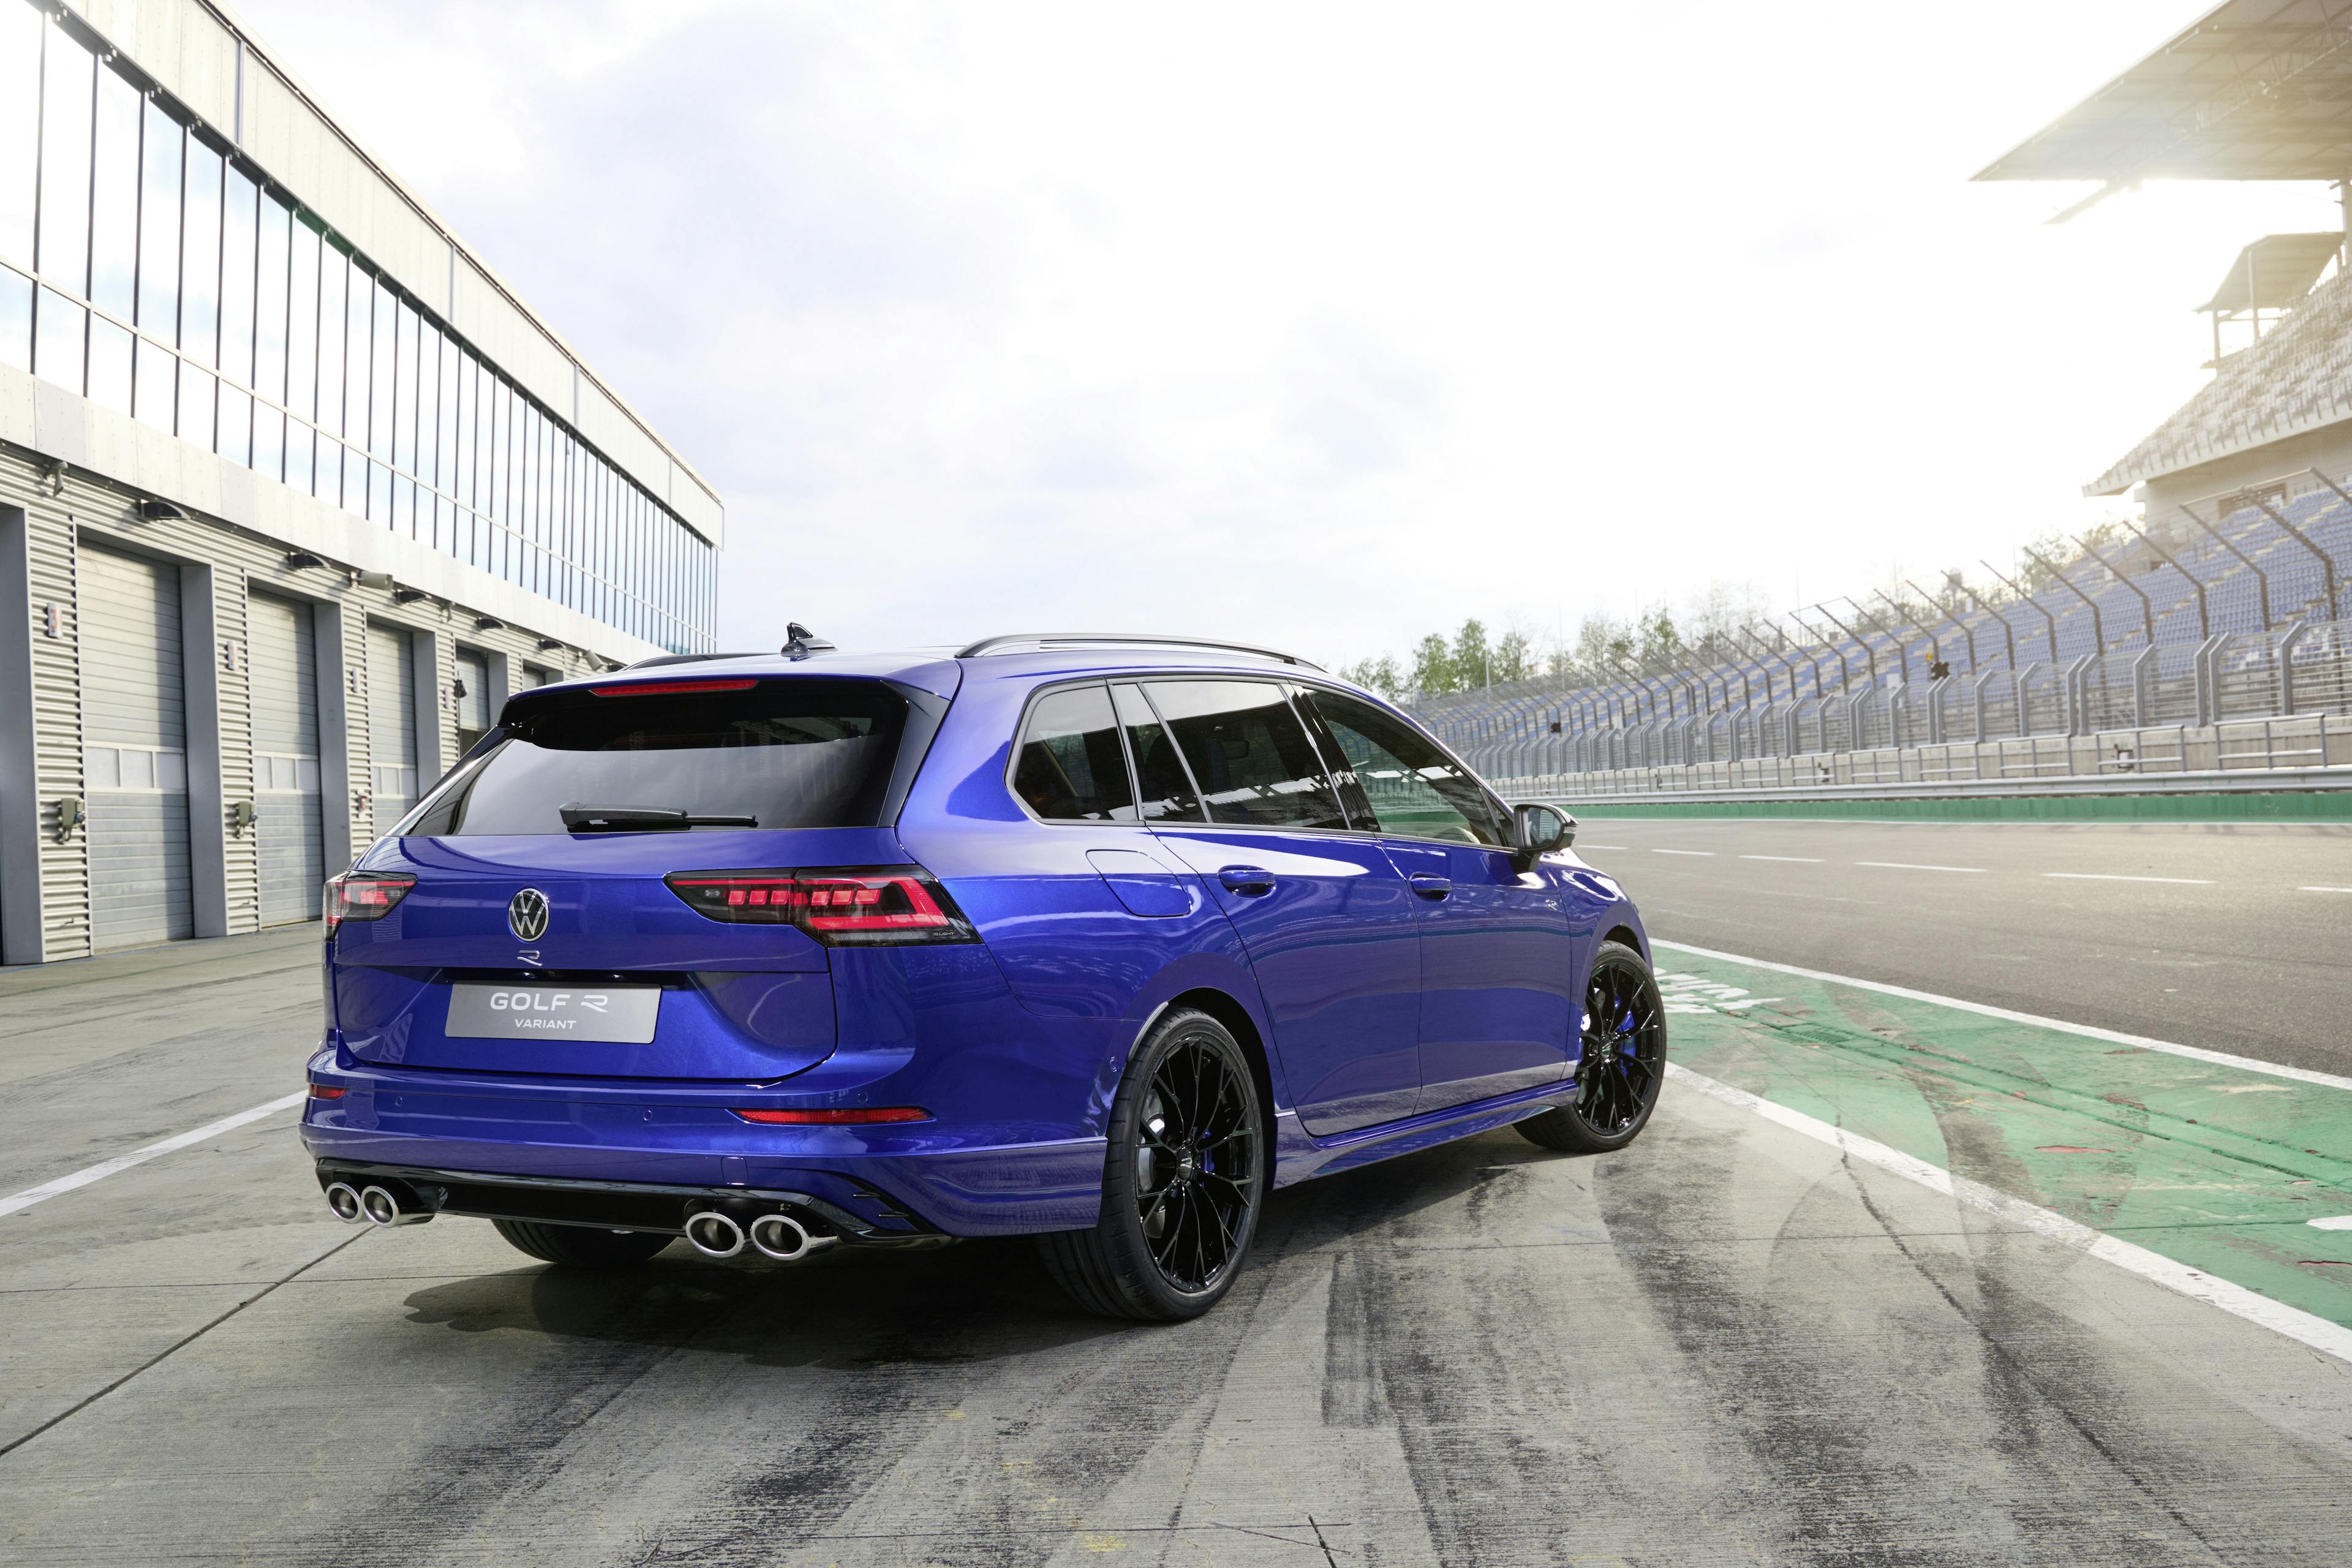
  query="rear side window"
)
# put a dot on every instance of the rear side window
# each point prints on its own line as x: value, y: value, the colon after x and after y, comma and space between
x: 1166, y: 788
x: 1412, y: 789
x: 1071, y: 767
x: 1249, y: 753
x: 795, y: 752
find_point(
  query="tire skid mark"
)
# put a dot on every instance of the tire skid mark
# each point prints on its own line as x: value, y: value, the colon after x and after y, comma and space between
x: 1778, y: 1380
x: 1498, y: 1436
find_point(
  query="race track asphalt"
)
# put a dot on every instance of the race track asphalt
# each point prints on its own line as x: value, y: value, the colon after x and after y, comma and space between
x: 1728, y: 1344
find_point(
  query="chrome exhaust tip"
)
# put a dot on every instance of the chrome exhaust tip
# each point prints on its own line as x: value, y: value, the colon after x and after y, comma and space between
x: 781, y: 1237
x: 382, y: 1205
x: 714, y: 1235
x: 344, y: 1199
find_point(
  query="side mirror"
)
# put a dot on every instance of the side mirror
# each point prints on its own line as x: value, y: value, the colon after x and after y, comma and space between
x: 1541, y: 829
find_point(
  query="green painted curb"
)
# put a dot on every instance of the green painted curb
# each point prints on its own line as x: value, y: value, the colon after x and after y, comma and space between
x: 2213, y: 1165
x: 2315, y: 805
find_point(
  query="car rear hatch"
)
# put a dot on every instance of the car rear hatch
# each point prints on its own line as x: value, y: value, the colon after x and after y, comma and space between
x: 539, y: 914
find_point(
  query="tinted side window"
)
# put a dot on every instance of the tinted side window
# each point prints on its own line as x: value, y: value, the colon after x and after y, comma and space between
x: 1071, y: 767
x: 1160, y: 776
x: 1249, y: 752
x: 1412, y: 789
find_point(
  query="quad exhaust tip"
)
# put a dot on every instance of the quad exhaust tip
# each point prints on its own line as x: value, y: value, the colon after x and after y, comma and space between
x: 715, y: 1234
x: 781, y: 1237
x: 344, y: 1199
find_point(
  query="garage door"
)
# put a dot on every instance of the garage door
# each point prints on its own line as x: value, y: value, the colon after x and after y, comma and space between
x: 134, y: 750
x: 288, y: 829
x: 391, y: 723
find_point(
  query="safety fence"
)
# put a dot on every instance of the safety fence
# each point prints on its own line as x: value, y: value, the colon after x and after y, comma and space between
x: 2289, y: 750
x: 2305, y: 667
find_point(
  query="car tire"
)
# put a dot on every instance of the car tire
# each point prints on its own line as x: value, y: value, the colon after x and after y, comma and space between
x: 1623, y: 1063
x: 582, y: 1247
x: 1185, y: 1153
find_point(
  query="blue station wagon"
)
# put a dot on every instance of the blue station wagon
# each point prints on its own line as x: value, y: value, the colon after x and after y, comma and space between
x: 1092, y: 939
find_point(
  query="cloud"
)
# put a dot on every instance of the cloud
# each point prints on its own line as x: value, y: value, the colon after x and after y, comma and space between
x: 1309, y: 323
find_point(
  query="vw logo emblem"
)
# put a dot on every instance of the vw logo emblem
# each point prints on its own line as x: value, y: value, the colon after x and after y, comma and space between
x: 527, y: 914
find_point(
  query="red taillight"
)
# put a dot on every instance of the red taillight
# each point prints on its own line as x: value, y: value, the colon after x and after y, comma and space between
x: 327, y: 1092
x: 842, y: 1118
x: 672, y: 688
x: 860, y: 906
x: 366, y: 895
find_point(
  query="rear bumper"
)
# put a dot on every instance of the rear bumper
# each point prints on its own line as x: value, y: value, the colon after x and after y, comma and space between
x: 878, y: 1182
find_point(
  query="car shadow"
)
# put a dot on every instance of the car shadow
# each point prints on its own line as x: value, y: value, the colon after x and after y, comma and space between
x: 979, y: 1300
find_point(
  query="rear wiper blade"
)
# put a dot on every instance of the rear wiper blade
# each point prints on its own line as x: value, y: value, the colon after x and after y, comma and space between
x: 641, y: 819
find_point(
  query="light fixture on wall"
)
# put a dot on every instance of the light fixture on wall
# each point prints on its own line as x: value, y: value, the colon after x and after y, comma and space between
x: 301, y: 561
x: 406, y: 596
x: 549, y: 644
x: 161, y: 512
x: 373, y: 579
x: 488, y: 624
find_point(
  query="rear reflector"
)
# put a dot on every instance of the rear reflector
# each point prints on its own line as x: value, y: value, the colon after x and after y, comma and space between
x: 843, y: 1117
x: 366, y: 895
x: 327, y: 1092
x: 850, y: 907
x: 672, y: 688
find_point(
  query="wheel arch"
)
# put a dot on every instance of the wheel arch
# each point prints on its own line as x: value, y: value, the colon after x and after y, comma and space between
x: 1630, y: 936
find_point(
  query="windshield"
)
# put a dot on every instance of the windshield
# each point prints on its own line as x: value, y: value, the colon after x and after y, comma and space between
x: 785, y: 753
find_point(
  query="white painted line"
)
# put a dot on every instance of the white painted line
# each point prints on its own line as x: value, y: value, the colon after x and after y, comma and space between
x: 1905, y: 866
x: 1708, y: 853
x: 106, y: 1168
x: 1600, y: 846
x: 1791, y: 860
x: 2333, y: 1222
x: 2113, y: 1037
x: 2111, y: 876
x: 2235, y: 1299
x: 2324, y: 890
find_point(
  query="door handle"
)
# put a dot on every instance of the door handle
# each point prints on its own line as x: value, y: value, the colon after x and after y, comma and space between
x: 1250, y: 881
x: 1429, y: 885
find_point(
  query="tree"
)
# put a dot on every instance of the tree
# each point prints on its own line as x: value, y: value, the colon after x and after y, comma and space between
x: 1515, y: 657
x: 1432, y: 666
x: 1473, y: 660
x: 1657, y: 638
x: 1376, y: 675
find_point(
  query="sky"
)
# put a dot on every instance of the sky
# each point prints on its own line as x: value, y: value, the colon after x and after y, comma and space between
x: 1321, y: 326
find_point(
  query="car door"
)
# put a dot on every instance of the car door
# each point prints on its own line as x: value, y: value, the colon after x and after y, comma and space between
x: 1499, y: 970
x: 1323, y: 912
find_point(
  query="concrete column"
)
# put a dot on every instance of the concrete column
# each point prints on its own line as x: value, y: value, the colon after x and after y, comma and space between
x: 339, y: 827
x: 200, y: 687
x: 428, y: 651
x: 20, y: 784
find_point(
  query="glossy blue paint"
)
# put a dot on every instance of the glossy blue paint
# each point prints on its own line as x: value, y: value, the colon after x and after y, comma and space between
x: 1387, y: 1020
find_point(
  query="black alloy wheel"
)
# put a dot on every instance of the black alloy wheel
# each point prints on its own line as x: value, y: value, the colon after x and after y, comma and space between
x: 1624, y: 1061
x: 1181, y: 1182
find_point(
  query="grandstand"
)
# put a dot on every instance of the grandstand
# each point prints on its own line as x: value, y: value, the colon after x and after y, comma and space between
x: 2232, y: 596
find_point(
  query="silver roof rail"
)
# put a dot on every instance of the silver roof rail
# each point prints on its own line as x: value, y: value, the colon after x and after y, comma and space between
x: 1037, y: 642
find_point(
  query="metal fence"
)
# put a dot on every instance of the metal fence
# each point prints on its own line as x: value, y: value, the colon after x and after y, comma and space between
x: 2301, y: 669
x: 2176, y: 752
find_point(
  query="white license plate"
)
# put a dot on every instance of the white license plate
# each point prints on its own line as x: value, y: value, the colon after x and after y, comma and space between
x: 621, y: 1013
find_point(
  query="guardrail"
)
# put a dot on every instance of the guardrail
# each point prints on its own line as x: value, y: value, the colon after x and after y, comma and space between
x: 2305, y: 751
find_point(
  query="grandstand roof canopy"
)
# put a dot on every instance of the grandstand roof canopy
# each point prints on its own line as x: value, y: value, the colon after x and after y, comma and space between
x: 2275, y: 272
x: 2254, y: 90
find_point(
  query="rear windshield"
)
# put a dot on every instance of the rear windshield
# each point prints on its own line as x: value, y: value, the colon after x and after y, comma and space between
x: 808, y: 751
